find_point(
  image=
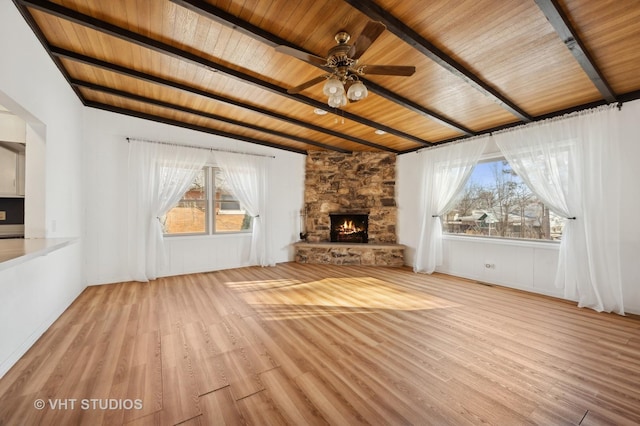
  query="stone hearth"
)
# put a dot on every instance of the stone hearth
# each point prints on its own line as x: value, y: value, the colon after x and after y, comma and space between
x: 350, y: 254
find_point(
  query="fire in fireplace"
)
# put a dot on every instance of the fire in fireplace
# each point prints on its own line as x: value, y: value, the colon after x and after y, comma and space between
x: 349, y: 228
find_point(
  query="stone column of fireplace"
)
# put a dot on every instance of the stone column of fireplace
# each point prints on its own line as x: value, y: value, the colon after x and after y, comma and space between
x: 346, y: 183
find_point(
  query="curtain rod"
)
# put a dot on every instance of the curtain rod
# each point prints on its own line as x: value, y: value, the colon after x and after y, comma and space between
x: 199, y: 147
x: 508, y: 129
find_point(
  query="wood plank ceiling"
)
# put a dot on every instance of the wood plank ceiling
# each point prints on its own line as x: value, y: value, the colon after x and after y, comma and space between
x: 481, y: 65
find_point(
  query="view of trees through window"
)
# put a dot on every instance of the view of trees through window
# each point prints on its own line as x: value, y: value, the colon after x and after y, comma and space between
x: 208, y: 193
x: 496, y: 202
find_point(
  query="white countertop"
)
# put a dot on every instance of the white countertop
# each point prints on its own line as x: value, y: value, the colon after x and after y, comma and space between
x: 14, y: 251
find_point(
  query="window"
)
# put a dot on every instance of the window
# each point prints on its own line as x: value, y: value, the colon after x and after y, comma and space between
x: 193, y: 214
x: 496, y: 202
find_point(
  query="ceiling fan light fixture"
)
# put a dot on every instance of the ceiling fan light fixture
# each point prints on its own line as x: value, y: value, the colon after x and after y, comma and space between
x: 357, y: 91
x: 333, y: 87
x: 337, y: 101
x: 342, y: 83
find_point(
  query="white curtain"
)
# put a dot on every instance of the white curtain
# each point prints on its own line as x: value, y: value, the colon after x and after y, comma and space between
x: 570, y: 165
x: 248, y: 179
x: 159, y: 175
x: 445, y: 172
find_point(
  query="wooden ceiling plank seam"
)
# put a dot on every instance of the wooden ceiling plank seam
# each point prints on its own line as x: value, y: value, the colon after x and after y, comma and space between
x: 409, y: 36
x: 222, y: 17
x: 562, y: 25
x: 229, y: 20
x: 129, y: 36
x: 217, y: 117
x: 412, y: 106
x: 59, y: 52
x: 151, y: 117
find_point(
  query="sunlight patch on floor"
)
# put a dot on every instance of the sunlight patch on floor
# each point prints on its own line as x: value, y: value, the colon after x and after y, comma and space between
x: 289, y: 298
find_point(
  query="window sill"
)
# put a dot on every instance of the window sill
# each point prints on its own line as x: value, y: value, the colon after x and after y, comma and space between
x: 206, y: 236
x: 552, y: 245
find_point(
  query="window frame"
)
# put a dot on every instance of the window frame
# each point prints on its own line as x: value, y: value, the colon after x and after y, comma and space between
x: 529, y: 242
x: 210, y: 215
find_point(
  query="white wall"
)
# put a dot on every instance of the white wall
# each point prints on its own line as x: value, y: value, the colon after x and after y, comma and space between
x: 529, y: 265
x: 12, y: 128
x: 630, y: 208
x: 105, y: 180
x: 33, y: 294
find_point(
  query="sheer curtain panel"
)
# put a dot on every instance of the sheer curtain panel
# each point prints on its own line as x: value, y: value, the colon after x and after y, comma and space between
x: 570, y: 164
x: 445, y: 172
x: 248, y: 179
x: 159, y: 174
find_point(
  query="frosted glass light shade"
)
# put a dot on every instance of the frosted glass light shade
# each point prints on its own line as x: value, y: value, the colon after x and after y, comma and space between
x: 357, y: 91
x: 336, y: 101
x: 333, y: 87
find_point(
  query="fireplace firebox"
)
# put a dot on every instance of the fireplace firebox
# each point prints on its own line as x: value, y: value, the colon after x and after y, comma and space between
x: 349, y: 228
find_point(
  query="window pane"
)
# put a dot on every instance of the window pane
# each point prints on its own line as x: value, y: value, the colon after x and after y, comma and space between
x: 496, y: 202
x: 197, y: 190
x: 232, y: 220
x: 230, y: 214
x: 189, y: 216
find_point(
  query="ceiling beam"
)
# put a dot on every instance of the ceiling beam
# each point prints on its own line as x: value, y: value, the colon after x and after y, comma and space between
x: 158, y: 46
x: 562, y: 25
x: 218, y: 15
x: 57, y: 52
x: 415, y: 40
x: 172, y: 106
x: 138, y: 114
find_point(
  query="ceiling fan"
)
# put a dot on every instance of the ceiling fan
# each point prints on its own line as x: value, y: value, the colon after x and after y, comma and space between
x: 343, y: 70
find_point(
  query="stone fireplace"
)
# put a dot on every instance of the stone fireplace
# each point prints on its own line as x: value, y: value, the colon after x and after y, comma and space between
x: 350, y: 209
x: 361, y: 182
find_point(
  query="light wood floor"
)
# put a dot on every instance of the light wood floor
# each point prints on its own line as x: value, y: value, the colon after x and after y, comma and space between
x: 311, y: 344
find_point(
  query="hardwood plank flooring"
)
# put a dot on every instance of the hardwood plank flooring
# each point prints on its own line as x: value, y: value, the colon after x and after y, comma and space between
x: 316, y: 344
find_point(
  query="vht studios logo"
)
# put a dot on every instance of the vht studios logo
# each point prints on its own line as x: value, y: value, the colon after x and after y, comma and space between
x: 88, y: 404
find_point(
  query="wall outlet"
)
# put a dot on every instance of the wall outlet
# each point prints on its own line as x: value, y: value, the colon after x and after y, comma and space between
x: 3, y: 215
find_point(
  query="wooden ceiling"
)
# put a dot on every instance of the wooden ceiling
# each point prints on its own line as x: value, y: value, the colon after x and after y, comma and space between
x: 481, y: 65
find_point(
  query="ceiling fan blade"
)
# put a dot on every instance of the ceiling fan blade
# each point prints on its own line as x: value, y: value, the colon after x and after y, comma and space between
x: 400, y: 70
x: 306, y: 85
x: 371, y: 32
x: 307, y: 57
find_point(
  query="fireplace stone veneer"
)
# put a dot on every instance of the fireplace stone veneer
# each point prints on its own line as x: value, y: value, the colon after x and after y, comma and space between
x: 350, y: 184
